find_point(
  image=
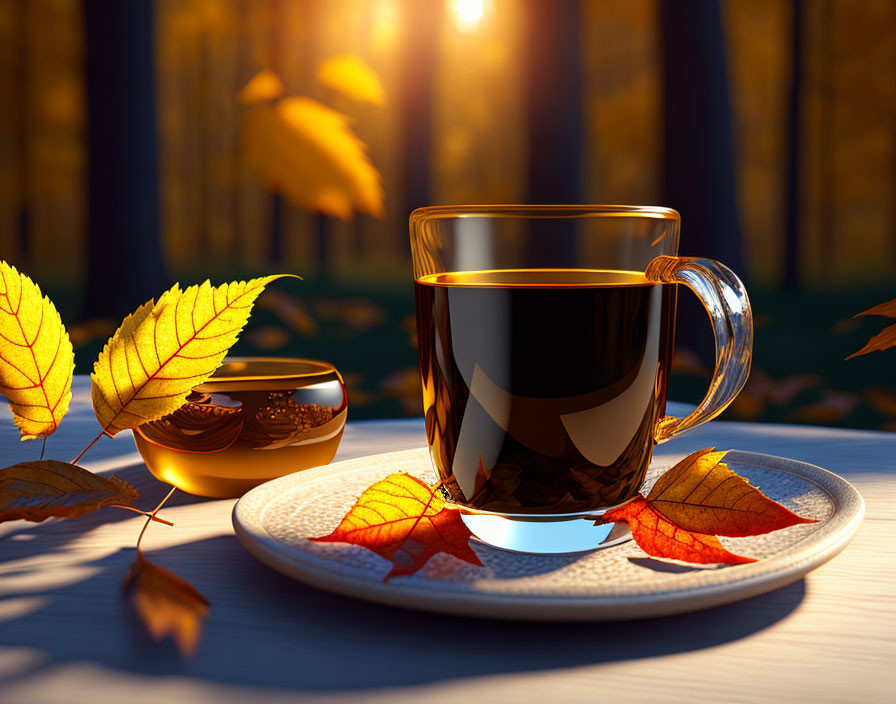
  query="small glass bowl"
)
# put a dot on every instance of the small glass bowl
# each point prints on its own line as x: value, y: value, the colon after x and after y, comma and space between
x: 255, y: 419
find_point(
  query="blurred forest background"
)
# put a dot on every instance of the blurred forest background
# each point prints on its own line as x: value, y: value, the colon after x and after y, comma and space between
x: 129, y: 159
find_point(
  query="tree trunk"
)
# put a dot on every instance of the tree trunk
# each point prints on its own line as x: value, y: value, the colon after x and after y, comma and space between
x: 22, y: 141
x: 698, y: 159
x: 124, y: 256
x: 555, y: 112
x: 422, y: 20
x: 275, y: 41
x: 794, y: 151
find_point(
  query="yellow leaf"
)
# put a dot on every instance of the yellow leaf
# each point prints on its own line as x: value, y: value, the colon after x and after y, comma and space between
x: 307, y: 151
x: 167, y: 604
x: 36, y: 356
x: 163, y: 350
x: 37, y: 490
x: 351, y: 76
x: 701, y: 494
x: 264, y: 85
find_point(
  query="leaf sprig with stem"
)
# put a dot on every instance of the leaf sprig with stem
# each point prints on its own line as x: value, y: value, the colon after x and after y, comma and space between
x: 145, y: 372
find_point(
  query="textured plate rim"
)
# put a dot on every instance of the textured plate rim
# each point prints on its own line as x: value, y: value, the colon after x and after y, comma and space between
x: 749, y: 580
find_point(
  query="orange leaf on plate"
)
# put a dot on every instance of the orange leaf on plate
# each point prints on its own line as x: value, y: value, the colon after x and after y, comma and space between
x: 167, y: 604
x: 405, y: 521
x: 36, y: 356
x: 34, y: 491
x: 702, y: 495
x: 659, y: 537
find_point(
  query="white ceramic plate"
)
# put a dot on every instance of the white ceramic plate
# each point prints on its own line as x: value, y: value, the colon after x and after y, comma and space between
x: 275, y: 520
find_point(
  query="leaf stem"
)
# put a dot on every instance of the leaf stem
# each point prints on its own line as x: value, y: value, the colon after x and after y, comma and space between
x: 143, y: 513
x: 43, y: 447
x: 150, y: 519
x: 92, y: 443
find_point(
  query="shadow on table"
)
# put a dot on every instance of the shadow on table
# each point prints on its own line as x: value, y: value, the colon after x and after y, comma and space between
x: 310, y: 640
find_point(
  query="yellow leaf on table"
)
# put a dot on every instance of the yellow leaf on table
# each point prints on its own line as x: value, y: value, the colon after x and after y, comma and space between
x: 43, y: 489
x: 167, y: 604
x: 164, y: 349
x: 307, y: 151
x: 36, y: 356
x: 351, y: 76
x: 264, y: 85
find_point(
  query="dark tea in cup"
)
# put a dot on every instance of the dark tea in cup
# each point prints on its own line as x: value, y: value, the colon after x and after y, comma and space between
x: 542, y: 387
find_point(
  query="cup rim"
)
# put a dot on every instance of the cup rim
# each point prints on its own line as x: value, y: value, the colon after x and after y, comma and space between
x: 547, y: 210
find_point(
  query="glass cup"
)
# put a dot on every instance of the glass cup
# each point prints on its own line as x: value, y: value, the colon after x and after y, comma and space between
x: 256, y: 418
x: 546, y: 336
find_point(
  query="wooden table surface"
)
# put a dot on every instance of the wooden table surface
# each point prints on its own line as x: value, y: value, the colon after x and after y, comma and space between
x: 67, y: 636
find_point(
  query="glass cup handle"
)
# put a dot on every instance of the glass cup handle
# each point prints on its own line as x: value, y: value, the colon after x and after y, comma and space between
x: 726, y: 301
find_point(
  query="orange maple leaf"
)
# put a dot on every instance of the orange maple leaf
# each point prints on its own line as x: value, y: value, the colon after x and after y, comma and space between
x: 659, y: 537
x: 405, y: 521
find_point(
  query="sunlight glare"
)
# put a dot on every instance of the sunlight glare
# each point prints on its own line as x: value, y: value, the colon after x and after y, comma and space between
x: 467, y: 14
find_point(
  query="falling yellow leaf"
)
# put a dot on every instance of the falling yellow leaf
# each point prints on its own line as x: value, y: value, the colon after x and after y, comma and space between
x: 264, y: 85
x: 164, y: 349
x: 36, y: 356
x: 307, y: 151
x: 351, y: 76
x: 167, y: 604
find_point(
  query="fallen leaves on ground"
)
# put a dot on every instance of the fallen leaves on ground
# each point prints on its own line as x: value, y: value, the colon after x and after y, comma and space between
x: 36, y: 356
x: 763, y: 390
x: 832, y: 406
x: 290, y: 311
x: 405, y: 521
x: 167, y: 604
x: 34, y: 491
x: 883, y: 400
x: 269, y: 337
x: 164, y: 349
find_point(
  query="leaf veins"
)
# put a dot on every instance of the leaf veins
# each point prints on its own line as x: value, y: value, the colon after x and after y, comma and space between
x: 36, y: 356
x: 164, y: 349
x: 34, y: 491
x: 405, y: 521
